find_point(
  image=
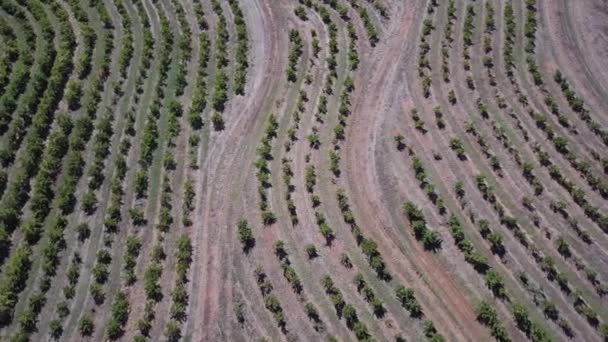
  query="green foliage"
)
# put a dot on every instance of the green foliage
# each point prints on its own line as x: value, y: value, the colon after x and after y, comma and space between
x: 199, y: 100
x: 218, y: 121
x: 368, y: 246
x: 495, y: 283
x: 292, y: 277
x: 477, y: 260
x: 431, y: 239
x: 334, y: 160
x: 220, y: 92
x: 133, y: 247
x: 240, y: 74
x: 73, y: 94
x: 86, y: 326
x: 311, y: 312
x: 239, y: 312
x: 13, y: 282
x: 486, y: 315
x: 268, y: 218
x: 222, y: 37
x: 120, y: 314
x: 295, y: 52
x: 279, y: 250
x: 457, y: 146
x: 172, y: 331
x: 141, y: 183
x: 399, y: 141
x: 188, y: 205
x: 311, y: 251
x: 311, y: 178
x: 137, y: 216
x: 408, y: 300
x: 55, y: 329
x: 314, y: 140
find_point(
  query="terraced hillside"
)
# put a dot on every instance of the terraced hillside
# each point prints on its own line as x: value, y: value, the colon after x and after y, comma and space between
x: 340, y: 170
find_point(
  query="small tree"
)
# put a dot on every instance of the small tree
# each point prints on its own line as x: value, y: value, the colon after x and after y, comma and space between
x: 86, y: 326
x: 316, y: 200
x: 114, y: 330
x: 550, y: 310
x: 137, y: 216
x: 311, y: 178
x: 457, y: 146
x: 311, y: 312
x: 495, y: 240
x: 399, y: 140
x: 452, y: 97
x: 311, y: 250
x: 314, y: 140
x: 429, y: 328
x: 486, y: 314
x: 89, y: 203
x: 359, y: 281
x: 28, y: 321
x: 239, y: 312
x: 172, y: 331
x: 141, y: 183
x: 432, y: 240
x: 268, y: 218
x: 73, y: 94
x: 495, y: 283
x: 345, y: 261
x: 604, y: 331
x: 218, y: 121
x: 300, y: 12
x: 361, y: 331
x: 83, y: 231
x: 561, y: 144
x: 139, y: 338
x: 459, y: 189
x: 97, y: 293
x: 563, y: 247
x: 520, y: 313
x: 55, y: 329
x: 245, y: 235
x: 279, y: 250
x: 378, y: 307
x: 409, y: 301
x: 350, y: 314
x: 484, y: 228
x: 327, y: 232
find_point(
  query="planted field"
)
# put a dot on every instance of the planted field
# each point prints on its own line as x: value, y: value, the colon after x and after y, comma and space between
x: 313, y: 170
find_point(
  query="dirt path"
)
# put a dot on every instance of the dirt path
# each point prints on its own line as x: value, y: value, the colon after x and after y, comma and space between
x: 225, y: 157
x: 363, y: 140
